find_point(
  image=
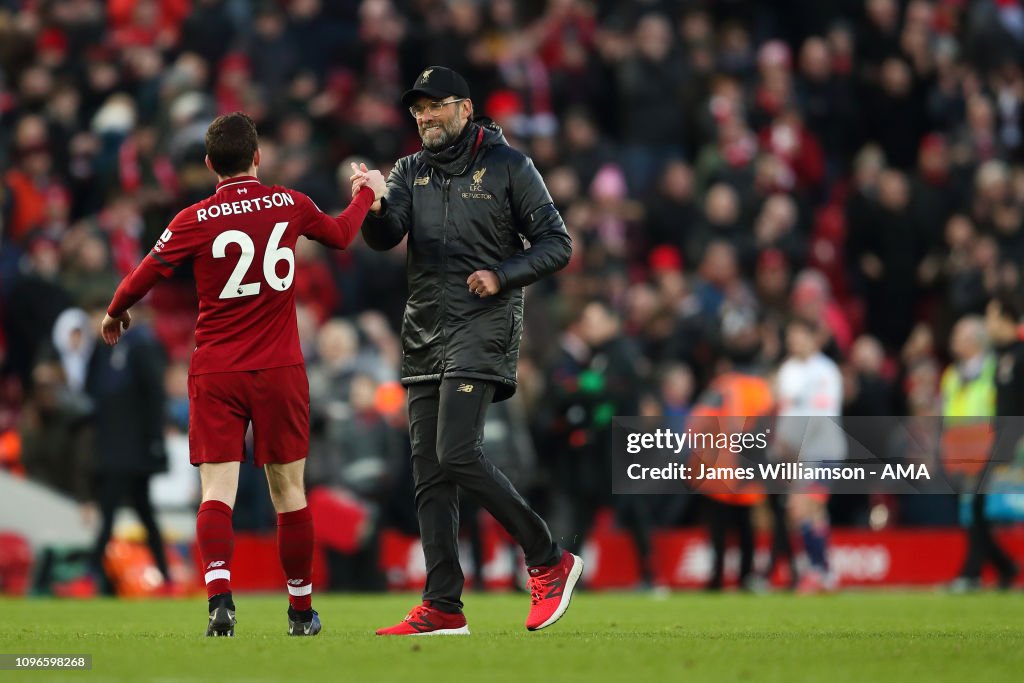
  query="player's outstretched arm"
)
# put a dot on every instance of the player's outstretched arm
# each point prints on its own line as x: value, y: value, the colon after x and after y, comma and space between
x: 338, y: 232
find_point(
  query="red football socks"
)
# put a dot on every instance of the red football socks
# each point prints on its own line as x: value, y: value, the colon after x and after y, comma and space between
x: 216, y: 541
x: 295, y: 545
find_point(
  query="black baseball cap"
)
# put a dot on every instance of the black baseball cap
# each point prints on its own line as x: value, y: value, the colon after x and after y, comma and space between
x: 437, y: 83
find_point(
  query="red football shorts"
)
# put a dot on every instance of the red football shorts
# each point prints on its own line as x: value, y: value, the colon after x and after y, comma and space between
x: 222, y: 404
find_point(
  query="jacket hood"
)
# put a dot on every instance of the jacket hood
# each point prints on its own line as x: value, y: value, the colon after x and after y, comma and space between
x: 493, y: 135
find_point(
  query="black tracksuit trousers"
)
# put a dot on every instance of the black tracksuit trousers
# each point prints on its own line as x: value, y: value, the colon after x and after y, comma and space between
x: 446, y: 424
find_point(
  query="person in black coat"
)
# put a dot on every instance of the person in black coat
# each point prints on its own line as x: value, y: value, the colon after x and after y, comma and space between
x: 30, y: 308
x: 1003, y: 317
x: 126, y: 385
x: 467, y: 202
x: 886, y: 244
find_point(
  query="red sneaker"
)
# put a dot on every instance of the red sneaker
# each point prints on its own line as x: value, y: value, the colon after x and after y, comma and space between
x: 425, y: 620
x: 551, y: 590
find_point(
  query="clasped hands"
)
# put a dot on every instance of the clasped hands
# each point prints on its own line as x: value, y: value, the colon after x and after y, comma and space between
x: 482, y: 283
x: 363, y: 176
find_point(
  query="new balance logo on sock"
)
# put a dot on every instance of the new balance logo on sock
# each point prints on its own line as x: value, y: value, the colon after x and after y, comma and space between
x: 214, y: 565
x: 296, y: 582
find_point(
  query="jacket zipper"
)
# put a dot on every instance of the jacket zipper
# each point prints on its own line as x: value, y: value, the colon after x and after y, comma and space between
x: 444, y: 278
x: 447, y: 184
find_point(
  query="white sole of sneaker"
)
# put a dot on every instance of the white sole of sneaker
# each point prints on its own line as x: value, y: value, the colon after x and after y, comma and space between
x: 574, y: 576
x: 463, y: 631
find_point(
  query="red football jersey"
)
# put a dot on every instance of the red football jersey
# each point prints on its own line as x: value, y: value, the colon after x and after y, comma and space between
x: 241, y: 242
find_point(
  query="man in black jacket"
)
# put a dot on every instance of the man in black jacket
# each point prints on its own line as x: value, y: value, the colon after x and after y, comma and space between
x: 1002, y: 318
x: 467, y: 201
x: 126, y: 385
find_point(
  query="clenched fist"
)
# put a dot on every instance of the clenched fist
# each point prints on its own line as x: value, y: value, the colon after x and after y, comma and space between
x: 484, y: 283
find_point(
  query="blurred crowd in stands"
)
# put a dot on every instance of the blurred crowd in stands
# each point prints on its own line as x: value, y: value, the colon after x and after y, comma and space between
x: 856, y: 163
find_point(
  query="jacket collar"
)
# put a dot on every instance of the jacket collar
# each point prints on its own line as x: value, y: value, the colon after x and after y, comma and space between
x: 457, y: 157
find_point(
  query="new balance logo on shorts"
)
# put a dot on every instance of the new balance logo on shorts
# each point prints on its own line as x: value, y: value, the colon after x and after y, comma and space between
x: 465, y: 388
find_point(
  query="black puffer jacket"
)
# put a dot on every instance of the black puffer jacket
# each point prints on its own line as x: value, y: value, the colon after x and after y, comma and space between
x: 464, y: 210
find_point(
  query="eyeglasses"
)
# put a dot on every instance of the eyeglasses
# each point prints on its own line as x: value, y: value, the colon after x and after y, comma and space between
x: 434, y: 108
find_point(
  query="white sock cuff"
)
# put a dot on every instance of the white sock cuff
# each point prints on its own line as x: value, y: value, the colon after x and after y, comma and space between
x: 215, y: 574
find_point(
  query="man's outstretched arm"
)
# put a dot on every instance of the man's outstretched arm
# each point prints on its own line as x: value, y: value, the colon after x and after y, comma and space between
x: 389, y: 220
x: 338, y: 232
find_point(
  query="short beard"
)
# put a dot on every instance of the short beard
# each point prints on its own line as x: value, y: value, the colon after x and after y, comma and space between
x: 449, y: 132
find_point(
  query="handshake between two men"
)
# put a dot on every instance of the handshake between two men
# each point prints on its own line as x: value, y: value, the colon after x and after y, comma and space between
x: 482, y: 283
x: 374, y: 179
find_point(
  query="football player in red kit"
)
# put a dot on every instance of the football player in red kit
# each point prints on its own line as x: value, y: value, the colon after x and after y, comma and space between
x: 247, y: 366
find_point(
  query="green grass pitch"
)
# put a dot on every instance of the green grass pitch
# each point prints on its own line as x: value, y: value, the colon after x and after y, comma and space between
x: 629, y: 637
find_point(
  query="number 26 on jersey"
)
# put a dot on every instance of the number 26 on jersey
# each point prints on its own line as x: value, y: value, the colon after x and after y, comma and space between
x: 274, y: 254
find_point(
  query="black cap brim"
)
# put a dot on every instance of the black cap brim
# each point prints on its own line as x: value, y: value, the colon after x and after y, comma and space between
x: 411, y: 96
